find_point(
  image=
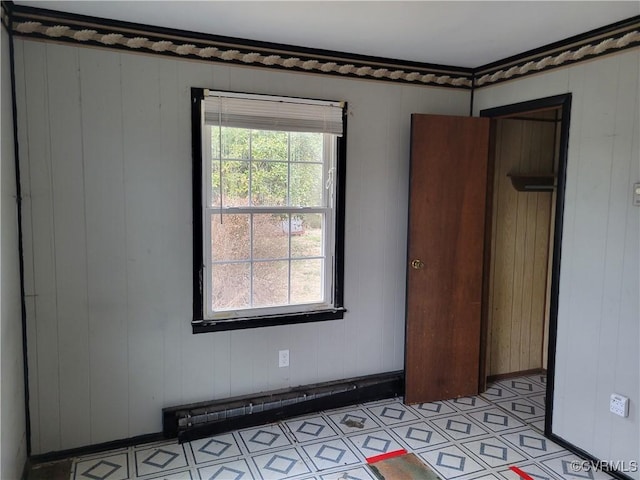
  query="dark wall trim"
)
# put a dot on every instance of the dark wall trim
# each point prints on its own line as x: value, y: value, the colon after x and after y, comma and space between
x: 561, y: 181
x: 197, y: 95
x: 199, y: 323
x: 341, y: 191
x: 204, y: 326
x: 564, y: 102
x: 96, y: 448
x: 7, y: 8
x: 57, y: 26
x: 390, y: 386
x: 593, y: 460
x: 7, y: 12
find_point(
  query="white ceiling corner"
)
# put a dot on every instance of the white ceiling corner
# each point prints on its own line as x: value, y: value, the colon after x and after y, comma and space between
x: 456, y: 33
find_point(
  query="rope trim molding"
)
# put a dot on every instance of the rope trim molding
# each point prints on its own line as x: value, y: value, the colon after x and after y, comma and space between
x: 249, y: 58
x: 613, y: 43
x: 293, y: 58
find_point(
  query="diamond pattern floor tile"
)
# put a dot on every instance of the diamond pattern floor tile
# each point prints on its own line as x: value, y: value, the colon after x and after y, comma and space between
x: 391, y: 414
x: 352, y: 421
x: 330, y: 454
x: 496, y: 419
x: 494, y: 452
x: 571, y: 467
x: 485, y: 476
x: 110, y: 467
x: 177, y: 475
x: 539, y: 378
x: 468, y: 403
x: 523, y: 386
x: 233, y: 470
x: 451, y: 462
x: 533, y: 470
x: 498, y: 392
x: 360, y: 473
x: 469, y: 438
x: 309, y: 429
x: 522, y: 408
x: 160, y: 459
x: 281, y: 464
x: 264, y: 438
x: 214, y: 448
x: 375, y: 443
x: 433, y: 409
x: 537, y: 424
x: 532, y: 443
x: 459, y: 427
x: 539, y: 399
x: 419, y: 435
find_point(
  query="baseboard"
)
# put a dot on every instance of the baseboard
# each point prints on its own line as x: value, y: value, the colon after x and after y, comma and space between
x: 521, y: 373
x: 377, y: 387
x: 587, y: 456
x: 96, y: 448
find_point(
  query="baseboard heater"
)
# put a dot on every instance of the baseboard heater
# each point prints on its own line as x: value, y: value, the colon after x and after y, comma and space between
x: 199, y: 420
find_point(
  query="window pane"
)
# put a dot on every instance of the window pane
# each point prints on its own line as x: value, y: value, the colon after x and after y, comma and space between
x: 306, y: 281
x: 306, y: 147
x: 269, y: 183
x: 270, y: 239
x: 306, y: 235
x: 235, y: 143
x: 269, y: 145
x: 230, y: 285
x: 306, y: 185
x: 235, y: 183
x: 229, y: 237
x: 270, y: 283
x: 214, y: 191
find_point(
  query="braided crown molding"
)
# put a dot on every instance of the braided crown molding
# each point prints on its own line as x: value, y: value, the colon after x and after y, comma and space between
x: 244, y: 54
x: 55, y: 26
x: 582, y: 52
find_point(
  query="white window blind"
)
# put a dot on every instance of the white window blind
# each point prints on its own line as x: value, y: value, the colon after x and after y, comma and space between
x: 274, y: 113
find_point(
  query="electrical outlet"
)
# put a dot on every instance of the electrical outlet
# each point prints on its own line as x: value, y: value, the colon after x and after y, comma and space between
x: 619, y: 405
x: 283, y: 358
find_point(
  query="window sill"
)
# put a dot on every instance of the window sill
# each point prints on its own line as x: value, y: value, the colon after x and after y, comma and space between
x: 203, y: 326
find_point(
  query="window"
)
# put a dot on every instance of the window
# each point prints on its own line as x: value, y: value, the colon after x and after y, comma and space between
x: 268, y: 195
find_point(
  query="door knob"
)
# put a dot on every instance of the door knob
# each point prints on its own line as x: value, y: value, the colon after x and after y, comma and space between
x: 417, y: 264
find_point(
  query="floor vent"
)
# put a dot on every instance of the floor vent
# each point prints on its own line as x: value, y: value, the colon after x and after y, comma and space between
x: 199, y: 420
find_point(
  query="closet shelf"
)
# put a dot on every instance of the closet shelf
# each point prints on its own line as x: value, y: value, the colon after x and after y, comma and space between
x: 533, y: 182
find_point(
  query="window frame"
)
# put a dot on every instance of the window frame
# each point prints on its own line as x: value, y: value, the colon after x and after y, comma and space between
x: 200, y: 322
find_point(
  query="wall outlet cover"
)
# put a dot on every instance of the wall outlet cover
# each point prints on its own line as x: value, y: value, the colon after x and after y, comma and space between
x: 283, y: 358
x: 619, y: 405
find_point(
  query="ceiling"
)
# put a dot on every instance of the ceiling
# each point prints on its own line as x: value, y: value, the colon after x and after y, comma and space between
x: 457, y: 33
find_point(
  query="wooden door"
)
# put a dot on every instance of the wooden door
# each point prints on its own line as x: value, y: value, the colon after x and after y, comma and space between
x: 449, y: 158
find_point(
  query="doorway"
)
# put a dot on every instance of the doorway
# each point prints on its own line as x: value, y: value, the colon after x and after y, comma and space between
x: 437, y: 224
x: 520, y: 242
x: 532, y: 180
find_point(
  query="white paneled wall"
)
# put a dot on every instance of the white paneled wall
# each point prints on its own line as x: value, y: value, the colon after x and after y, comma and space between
x: 598, y: 318
x: 13, y: 436
x: 105, y: 143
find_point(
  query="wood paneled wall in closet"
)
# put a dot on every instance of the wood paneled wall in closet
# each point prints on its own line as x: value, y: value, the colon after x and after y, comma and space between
x: 520, y: 252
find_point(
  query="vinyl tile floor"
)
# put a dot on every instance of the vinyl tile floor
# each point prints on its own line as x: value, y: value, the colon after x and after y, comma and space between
x: 463, y: 439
